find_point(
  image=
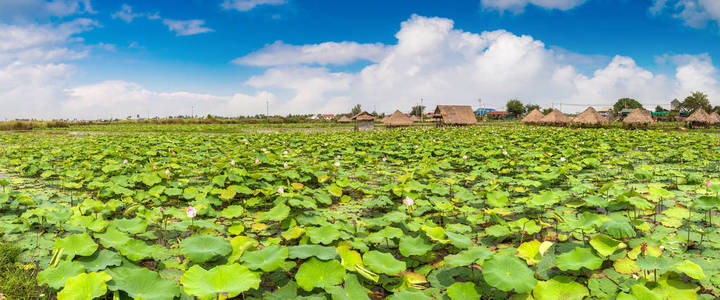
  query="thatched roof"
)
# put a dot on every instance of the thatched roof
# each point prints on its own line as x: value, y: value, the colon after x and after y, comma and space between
x: 364, y: 116
x: 397, y: 119
x: 414, y: 118
x: 639, y: 116
x: 555, y: 117
x: 589, y: 117
x: 455, y: 114
x: 344, y: 119
x: 714, y: 118
x: 699, y: 116
x: 533, y: 117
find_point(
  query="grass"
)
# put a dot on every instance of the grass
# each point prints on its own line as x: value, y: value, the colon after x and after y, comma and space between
x: 15, y: 281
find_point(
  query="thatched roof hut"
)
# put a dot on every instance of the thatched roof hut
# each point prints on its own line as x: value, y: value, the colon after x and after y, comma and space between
x: 364, y: 121
x: 344, y: 119
x: 533, y: 117
x: 456, y: 115
x: 715, y: 118
x: 639, y: 116
x: 397, y: 119
x: 414, y: 118
x: 555, y: 117
x: 699, y: 118
x: 589, y: 117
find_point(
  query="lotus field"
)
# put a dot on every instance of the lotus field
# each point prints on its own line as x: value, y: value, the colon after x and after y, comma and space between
x: 420, y: 213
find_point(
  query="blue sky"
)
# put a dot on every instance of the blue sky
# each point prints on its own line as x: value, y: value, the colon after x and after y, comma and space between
x: 230, y: 56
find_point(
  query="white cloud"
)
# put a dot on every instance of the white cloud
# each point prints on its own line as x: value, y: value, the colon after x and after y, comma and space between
x: 695, y: 13
x: 24, y: 10
x: 327, y: 53
x: 519, y: 5
x: 186, y: 27
x: 126, y: 14
x: 247, y: 5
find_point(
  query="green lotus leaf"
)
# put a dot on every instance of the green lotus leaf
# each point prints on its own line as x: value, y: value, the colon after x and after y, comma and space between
x: 468, y: 257
x: 136, y: 250
x: 226, y: 280
x: 202, y: 248
x: 385, y: 233
x: 353, y: 290
x: 560, y: 287
x: 232, y: 211
x: 691, y: 269
x: 642, y: 292
x: 112, y: 238
x: 498, y: 198
x: 141, y: 283
x: 277, y: 213
x: 435, y: 233
x: 650, y: 263
x: 349, y: 258
x: 325, y: 234
x: 619, y: 228
x: 383, y: 263
x: 240, y: 244
x: 458, y: 240
x: 131, y: 226
x: 463, y: 290
x: 56, y: 277
x: 151, y: 179
x: 316, y: 273
x: 409, y: 295
x: 100, y: 260
x: 578, y: 258
x: 306, y: 251
x: 267, y: 259
x: 606, y: 245
x: 76, y: 244
x: 85, y: 286
x: 507, y: 272
x: 410, y: 246
x: 673, y: 287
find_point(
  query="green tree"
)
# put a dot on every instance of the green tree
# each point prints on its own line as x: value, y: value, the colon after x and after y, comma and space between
x: 531, y: 107
x: 356, y: 110
x: 624, y: 103
x: 697, y: 100
x: 660, y: 109
x: 546, y: 111
x: 716, y: 109
x: 515, y: 107
x: 417, y: 110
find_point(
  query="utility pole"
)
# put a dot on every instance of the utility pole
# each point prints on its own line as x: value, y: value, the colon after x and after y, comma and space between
x: 422, y: 110
x: 267, y: 109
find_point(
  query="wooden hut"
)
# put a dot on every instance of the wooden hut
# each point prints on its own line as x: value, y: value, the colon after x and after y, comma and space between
x: 699, y: 118
x: 364, y: 121
x: 533, y: 117
x: 454, y: 115
x: 344, y: 119
x: 589, y: 118
x: 397, y: 119
x: 638, y: 118
x: 555, y: 117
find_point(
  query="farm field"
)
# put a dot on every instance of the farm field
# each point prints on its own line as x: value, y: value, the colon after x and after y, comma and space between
x: 489, y: 212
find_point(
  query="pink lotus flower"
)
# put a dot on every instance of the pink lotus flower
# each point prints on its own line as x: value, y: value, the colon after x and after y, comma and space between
x: 285, y: 152
x: 707, y: 183
x: 384, y: 159
x: 337, y: 163
x: 125, y: 161
x: 232, y: 162
x: 281, y: 190
x: 338, y: 156
x: 173, y: 152
x: 257, y: 160
x: 505, y: 153
x: 562, y: 159
x: 167, y: 171
x: 501, y: 146
x: 264, y: 150
x: 465, y: 157
x: 191, y: 212
x: 285, y: 165
x: 154, y: 166
x: 408, y: 201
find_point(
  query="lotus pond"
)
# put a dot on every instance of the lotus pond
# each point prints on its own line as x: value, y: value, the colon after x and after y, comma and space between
x: 418, y: 213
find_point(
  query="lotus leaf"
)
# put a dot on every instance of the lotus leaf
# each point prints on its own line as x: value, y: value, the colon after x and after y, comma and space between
x: 226, y: 280
x: 316, y: 273
x: 201, y: 248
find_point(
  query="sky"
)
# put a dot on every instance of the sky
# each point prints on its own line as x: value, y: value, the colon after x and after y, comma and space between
x: 93, y: 59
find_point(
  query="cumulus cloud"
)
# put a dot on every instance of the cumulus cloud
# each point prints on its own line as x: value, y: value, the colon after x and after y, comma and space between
x: 695, y: 13
x: 431, y: 59
x: 186, y: 27
x: 126, y: 14
x: 328, y: 53
x: 247, y: 5
x: 519, y: 5
x: 23, y: 10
